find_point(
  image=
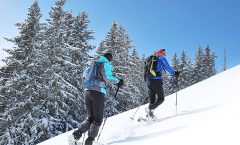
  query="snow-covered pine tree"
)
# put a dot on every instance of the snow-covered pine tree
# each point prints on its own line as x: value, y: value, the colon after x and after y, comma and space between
x: 126, y: 98
x: 21, y: 83
x: 225, y: 60
x: 102, y: 48
x: 67, y: 25
x: 118, y: 43
x: 136, y: 77
x: 209, y: 63
x: 78, y: 47
x: 205, y: 63
x: 143, y: 86
x: 107, y: 45
x: 198, y: 66
x: 111, y: 40
x: 41, y: 103
x: 185, y: 69
x: 190, y: 72
x: 56, y: 104
x: 66, y: 47
x: 169, y: 82
x: 213, y: 64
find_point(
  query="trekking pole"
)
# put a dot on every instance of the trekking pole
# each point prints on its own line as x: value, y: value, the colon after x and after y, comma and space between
x: 83, y: 138
x: 177, y: 94
x: 116, y: 91
x: 105, y: 119
x: 132, y: 117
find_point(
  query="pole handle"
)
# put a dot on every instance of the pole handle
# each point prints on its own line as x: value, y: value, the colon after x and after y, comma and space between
x: 116, y: 91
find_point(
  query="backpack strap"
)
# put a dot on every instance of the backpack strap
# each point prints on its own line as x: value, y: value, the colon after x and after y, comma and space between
x: 153, y: 72
x: 97, y: 73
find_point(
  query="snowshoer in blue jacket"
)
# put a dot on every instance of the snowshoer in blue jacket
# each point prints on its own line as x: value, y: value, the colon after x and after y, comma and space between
x: 94, y: 92
x: 155, y: 84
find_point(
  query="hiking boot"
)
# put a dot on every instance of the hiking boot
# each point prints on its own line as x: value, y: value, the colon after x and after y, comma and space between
x: 89, y: 141
x: 77, y: 134
x: 149, y: 113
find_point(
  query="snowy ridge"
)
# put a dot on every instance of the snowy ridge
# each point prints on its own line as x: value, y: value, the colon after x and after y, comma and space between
x: 207, y: 113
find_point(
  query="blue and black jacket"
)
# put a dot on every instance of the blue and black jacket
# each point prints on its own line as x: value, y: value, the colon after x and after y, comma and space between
x: 162, y: 64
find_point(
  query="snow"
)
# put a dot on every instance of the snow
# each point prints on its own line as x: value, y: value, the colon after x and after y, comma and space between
x: 207, y: 113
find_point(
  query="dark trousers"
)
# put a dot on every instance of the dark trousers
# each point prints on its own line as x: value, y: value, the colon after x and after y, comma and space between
x: 155, y: 90
x: 95, y: 108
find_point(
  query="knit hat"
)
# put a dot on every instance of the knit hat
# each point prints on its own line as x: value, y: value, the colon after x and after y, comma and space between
x: 158, y: 52
x: 108, y: 56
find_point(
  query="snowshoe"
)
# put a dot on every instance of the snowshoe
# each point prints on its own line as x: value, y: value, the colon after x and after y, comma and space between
x: 149, y: 113
x: 77, y: 134
x: 72, y: 141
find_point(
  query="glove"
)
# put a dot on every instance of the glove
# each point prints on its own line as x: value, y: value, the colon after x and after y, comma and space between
x: 177, y: 73
x: 120, y: 83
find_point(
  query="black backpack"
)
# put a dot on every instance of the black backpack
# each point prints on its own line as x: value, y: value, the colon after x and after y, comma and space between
x: 151, y: 67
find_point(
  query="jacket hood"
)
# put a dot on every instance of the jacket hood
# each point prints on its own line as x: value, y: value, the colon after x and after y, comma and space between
x: 103, y: 59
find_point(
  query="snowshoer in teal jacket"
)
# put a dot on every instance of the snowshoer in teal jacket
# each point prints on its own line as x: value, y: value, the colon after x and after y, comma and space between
x: 95, y: 90
x: 105, y: 71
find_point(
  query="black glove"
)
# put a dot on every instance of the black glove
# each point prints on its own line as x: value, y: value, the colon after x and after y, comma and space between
x: 176, y: 73
x: 120, y: 83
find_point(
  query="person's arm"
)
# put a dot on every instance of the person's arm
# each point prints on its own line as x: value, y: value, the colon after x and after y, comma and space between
x: 106, y: 72
x: 166, y: 66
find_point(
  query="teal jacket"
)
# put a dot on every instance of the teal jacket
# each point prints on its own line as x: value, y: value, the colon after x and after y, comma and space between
x: 106, y: 73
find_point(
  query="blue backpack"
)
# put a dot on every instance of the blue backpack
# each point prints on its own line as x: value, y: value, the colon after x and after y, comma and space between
x: 92, y: 76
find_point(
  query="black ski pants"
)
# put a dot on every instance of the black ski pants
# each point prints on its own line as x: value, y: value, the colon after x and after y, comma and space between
x: 95, y: 108
x: 156, y: 93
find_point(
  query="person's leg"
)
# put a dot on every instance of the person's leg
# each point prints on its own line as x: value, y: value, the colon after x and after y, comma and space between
x: 158, y: 87
x: 85, y: 125
x: 152, y: 94
x: 89, y: 107
x: 98, y: 111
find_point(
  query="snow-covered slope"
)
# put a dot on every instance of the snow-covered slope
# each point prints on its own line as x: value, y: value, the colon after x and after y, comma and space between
x: 207, y: 113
